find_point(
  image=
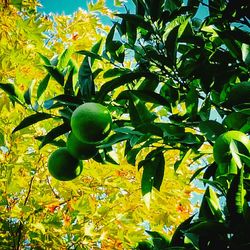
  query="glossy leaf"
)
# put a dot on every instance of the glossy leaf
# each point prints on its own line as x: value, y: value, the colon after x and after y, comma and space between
x: 119, y: 81
x: 236, y: 195
x: 85, y: 79
x: 178, y: 236
x: 144, y: 95
x: 12, y: 91
x: 153, y: 172
x: 138, y: 112
x: 56, y: 74
x: 42, y: 86
x: 32, y: 119
x: 211, y: 129
x: 210, y: 206
x: 54, y: 133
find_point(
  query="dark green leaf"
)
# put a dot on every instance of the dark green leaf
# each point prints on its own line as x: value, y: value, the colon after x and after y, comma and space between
x: 211, y: 129
x: 115, y: 72
x: 172, y: 5
x: 32, y: 119
x: 138, y: 112
x: 90, y: 54
x: 27, y: 96
x: 57, y: 143
x: 85, y: 79
x: 68, y: 87
x: 144, y: 95
x: 56, y: 74
x: 171, y: 45
x: 67, y: 100
x: 159, y: 240
x: 235, y: 120
x: 216, y: 184
x: 119, y: 81
x: 197, y: 173
x: 192, y: 102
x: 178, y: 237
x: 132, y: 154
x: 96, y: 73
x: 236, y: 196
x: 207, y: 228
x: 233, y: 46
x: 42, y: 86
x: 113, y: 139
x: 210, y: 208
x: 12, y: 91
x: 139, y: 21
x: 54, y: 133
x: 153, y: 171
x: 45, y: 59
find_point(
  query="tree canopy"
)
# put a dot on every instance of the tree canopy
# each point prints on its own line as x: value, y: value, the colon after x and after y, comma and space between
x: 177, y: 88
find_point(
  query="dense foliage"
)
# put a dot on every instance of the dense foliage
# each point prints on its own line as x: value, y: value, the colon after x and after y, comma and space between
x: 102, y: 208
x: 176, y: 82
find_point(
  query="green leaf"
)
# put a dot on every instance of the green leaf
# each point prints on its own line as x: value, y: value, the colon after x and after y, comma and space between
x: 236, y: 195
x: 90, y: 54
x: 207, y: 228
x: 235, y: 120
x: 211, y: 129
x: 144, y: 95
x: 229, y: 41
x: 178, y: 236
x: 210, y: 206
x: 153, y: 172
x: 132, y: 154
x: 171, y: 45
x: 216, y: 184
x: 64, y: 58
x: 45, y: 59
x: 32, y: 119
x: 159, y: 240
x: 85, y: 79
x: 192, y: 102
x: 196, y: 173
x: 138, y: 20
x: 245, y: 159
x: 119, y: 81
x: 66, y: 99
x: 55, y: 73
x: 54, y: 133
x: 234, y: 151
x: 12, y: 91
x: 115, y: 72
x: 172, y: 4
x: 68, y: 87
x: 138, y: 112
x: 113, y: 139
x: 245, y: 49
x: 57, y: 143
x: 42, y: 86
x: 183, y: 160
x: 27, y: 96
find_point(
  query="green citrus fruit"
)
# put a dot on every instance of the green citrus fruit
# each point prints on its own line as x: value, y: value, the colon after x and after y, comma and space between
x: 91, y: 122
x: 221, y: 149
x: 79, y: 149
x: 63, y: 166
